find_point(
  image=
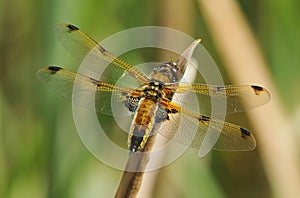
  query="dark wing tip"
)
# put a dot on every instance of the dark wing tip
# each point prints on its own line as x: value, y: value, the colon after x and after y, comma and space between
x: 245, y: 132
x: 257, y: 88
x: 54, y: 69
x: 44, y: 73
x: 72, y: 27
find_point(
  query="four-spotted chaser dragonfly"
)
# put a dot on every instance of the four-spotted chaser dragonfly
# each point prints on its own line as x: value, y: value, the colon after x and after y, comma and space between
x: 153, y: 101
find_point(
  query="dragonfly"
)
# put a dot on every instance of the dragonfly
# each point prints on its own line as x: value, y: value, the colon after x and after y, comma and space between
x: 152, y: 100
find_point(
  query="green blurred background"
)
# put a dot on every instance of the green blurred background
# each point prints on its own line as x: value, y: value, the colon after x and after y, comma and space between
x: 41, y: 154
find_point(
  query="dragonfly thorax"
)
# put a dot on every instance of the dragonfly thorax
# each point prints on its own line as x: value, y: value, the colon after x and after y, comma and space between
x: 154, y: 90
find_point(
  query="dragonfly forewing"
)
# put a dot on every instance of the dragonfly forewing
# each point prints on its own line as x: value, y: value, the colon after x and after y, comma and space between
x: 88, y: 92
x: 88, y: 51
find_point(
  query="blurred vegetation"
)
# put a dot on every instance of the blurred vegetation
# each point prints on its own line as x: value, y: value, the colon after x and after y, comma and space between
x: 41, y: 154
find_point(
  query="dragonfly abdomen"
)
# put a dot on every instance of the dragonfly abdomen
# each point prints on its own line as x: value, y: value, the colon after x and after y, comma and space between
x: 142, y: 124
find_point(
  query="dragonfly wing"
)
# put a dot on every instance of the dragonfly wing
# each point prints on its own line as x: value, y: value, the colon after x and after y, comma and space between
x: 89, y: 93
x: 236, y: 98
x: 90, y: 53
x: 203, y: 132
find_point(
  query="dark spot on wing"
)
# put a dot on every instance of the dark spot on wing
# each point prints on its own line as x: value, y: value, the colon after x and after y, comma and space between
x: 54, y: 69
x: 245, y: 132
x: 204, y: 118
x: 72, y: 28
x: 257, y: 89
x: 102, y: 50
x: 94, y: 81
x: 220, y: 88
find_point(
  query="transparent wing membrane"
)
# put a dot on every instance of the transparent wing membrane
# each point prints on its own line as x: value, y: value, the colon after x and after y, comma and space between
x: 82, y: 47
x: 237, y: 98
x: 194, y: 127
x: 89, y: 93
